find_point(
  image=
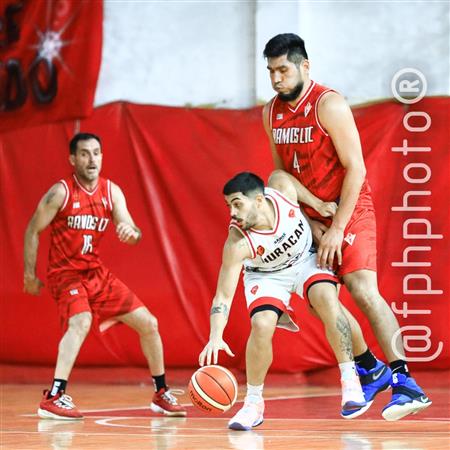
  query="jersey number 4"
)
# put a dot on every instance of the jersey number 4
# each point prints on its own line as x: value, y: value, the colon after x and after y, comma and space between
x: 87, y: 244
x: 295, y: 163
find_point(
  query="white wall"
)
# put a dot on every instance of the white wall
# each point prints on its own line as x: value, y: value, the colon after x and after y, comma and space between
x: 210, y: 52
x: 358, y: 47
x: 177, y: 53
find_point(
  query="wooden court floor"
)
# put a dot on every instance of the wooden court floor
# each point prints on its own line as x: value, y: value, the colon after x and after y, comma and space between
x: 297, y: 417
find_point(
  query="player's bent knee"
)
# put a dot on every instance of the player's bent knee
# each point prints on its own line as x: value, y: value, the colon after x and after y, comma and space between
x: 264, y: 323
x: 152, y: 324
x: 148, y: 323
x: 366, y: 298
x: 278, y: 173
x: 323, y: 296
x: 81, y: 323
x: 326, y: 310
x: 277, y: 179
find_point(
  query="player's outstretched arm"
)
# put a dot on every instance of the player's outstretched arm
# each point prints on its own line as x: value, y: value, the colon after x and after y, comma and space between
x: 126, y: 229
x: 45, y: 212
x: 234, y: 252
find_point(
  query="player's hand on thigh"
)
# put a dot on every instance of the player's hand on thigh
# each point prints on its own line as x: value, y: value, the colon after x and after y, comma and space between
x: 329, y: 247
x: 210, y: 353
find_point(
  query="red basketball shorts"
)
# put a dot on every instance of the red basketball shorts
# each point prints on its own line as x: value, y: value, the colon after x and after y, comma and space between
x: 359, y: 248
x: 96, y: 290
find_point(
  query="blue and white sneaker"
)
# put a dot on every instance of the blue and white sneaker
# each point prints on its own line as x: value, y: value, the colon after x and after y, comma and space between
x: 407, y: 398
x: 373, y: 381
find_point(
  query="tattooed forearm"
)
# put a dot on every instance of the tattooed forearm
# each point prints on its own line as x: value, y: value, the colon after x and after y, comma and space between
x: 222, y: 308
x: 346, y: 336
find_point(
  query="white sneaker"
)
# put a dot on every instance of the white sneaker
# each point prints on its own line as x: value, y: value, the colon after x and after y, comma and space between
x: 353, y: 402
x: 249, y: 416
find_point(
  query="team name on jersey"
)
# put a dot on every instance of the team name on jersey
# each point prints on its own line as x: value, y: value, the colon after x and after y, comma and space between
x: 292, y: 135
x: 286, y: 245
x: 87, y: 222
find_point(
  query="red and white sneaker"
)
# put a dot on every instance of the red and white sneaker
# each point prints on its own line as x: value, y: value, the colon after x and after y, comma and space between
x: 58, y: 407
x: 165, y: 403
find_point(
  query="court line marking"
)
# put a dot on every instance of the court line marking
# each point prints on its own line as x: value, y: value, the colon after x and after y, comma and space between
x: 292, y: 419
x: 228, y: 433
x: 106, y: 422
x: 131, y: 408
x: 337, y: 419
x: 281, y: 397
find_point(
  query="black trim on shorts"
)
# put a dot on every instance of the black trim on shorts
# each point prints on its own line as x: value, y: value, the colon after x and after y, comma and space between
x: 335, y: 283
x: 319, y: 281
x: 259, y: 308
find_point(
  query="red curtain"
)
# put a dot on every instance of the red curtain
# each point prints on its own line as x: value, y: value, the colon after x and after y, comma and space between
x: 50, y: 52
x: 171, y: 164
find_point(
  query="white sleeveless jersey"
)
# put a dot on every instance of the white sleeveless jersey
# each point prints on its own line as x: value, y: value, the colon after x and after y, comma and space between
x: 287, y: 243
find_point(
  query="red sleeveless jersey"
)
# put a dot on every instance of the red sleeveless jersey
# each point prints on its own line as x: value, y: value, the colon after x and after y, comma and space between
x: 307, y: 150
x: 79, y: 226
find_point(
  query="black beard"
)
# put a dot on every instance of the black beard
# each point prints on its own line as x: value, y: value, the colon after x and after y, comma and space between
x: 291, y: 96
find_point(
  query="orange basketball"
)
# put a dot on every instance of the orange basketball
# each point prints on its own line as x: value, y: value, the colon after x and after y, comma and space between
x: 213, y: 389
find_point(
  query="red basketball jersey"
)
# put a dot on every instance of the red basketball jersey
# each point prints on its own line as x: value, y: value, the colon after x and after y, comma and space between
x: 79, y: 226
x: 307, y: 150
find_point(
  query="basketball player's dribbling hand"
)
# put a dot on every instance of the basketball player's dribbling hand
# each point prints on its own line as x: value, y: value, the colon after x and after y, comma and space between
x: 211, y: 352
x: 327, y: 209
x: 32, y: 285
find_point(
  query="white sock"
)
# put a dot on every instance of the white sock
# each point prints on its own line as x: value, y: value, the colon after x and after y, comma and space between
x: 254, y: 393
x: 348, y: 370
x: 351, y: 387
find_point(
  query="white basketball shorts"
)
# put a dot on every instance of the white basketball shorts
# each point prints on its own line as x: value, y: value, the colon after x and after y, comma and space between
x: 276, y: 288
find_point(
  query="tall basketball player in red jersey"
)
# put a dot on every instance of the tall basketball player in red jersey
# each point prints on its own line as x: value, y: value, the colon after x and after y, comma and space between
x: 314, y: 138
x: 79, y: 210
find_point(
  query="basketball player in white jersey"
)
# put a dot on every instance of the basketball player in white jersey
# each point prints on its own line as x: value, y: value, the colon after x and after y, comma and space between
x: 271, y: 238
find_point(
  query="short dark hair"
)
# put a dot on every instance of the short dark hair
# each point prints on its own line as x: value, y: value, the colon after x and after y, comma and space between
x: 286, y: 44
x: 81, y: 137
x: 245, y: 182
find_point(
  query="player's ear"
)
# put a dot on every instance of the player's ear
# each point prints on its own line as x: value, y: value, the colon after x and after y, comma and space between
x: 259, y: 199
x: 305, y: 64
x: 72, y: 159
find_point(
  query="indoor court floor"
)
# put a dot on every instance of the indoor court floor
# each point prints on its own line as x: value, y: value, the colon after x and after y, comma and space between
x: 299, y: 415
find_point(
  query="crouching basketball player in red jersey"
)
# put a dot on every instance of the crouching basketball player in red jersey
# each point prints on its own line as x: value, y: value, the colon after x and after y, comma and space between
x: 314, y: 138
x: 271, y: 238
x: 79, y: 210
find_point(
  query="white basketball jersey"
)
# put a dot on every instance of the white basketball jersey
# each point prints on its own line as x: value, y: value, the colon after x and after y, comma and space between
x: 287, y: 243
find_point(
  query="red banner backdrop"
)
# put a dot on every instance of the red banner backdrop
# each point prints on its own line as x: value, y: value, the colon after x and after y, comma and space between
x: 172, y: 164
x: 50, y: 52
